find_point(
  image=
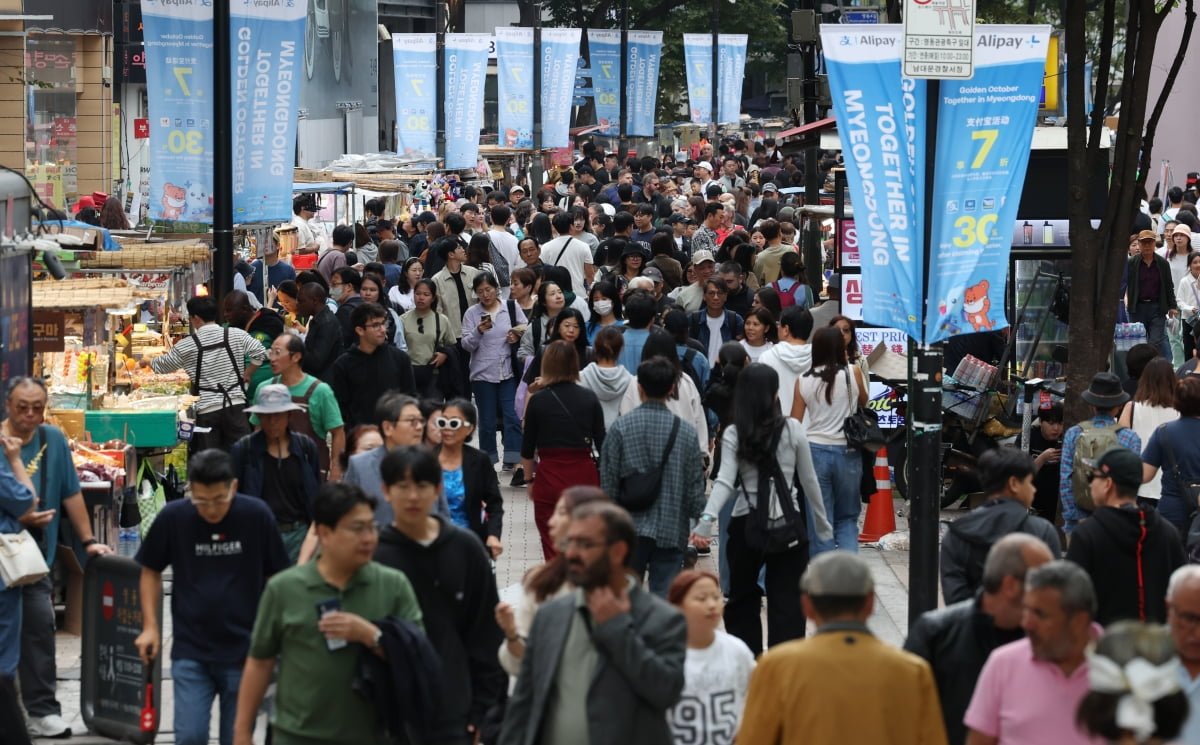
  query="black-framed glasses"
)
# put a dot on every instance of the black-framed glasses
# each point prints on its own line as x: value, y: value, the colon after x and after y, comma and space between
x: 1096, y: 475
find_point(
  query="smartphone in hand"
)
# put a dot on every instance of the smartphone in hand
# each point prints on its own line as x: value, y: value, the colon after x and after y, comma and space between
x: 324, y: 608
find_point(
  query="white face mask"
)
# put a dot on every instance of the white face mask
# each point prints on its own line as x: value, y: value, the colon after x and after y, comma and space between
x: 602, y: 307
x: 337, y: 292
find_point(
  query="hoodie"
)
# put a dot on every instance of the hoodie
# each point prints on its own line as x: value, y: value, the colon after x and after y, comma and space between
x: 1130, y: 554
x: 966, y: 544
x: 453, y: 581
x: 609, y: 384
x: 790, y: 361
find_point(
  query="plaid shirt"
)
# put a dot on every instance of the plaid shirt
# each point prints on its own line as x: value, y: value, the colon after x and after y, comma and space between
x: 635, y: 443
x: 1073, y: 514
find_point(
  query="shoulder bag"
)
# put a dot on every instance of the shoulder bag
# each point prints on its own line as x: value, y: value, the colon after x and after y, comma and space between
x: 862, y: 427
x: 21, y: 559
x: 640, y: 489
x: 1189, y: 490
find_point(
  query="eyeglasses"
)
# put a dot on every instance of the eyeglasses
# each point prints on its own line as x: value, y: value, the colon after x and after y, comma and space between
x: 273, y: 352
x: 412, y: 421
x: 1097, y: 475
x: 451, y: 424
x: 203, y: 503
x: 360, y: 529
x: 23, y: 408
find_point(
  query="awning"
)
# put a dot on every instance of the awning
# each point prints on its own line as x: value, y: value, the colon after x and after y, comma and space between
x: 326, y: 187
x: 812, y: 128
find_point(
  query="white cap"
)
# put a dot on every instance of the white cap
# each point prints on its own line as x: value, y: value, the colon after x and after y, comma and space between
x: 705, y: 165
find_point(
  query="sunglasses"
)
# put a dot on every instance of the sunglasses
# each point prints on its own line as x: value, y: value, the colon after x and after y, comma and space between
x: 1096, y: 475
x: 452, y: 424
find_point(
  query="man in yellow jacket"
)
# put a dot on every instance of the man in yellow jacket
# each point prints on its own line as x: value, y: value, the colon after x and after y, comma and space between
x: 842, y: 685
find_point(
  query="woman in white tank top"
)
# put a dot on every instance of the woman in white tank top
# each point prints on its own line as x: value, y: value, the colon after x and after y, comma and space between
x: 1153, y: 405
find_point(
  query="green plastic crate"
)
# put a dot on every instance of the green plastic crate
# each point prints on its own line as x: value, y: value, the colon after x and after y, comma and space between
x: 146, y: 429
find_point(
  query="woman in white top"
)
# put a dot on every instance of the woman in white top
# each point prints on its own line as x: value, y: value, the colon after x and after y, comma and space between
x: 1176, y: 249
x: 1187, y: 295
x: 758, y: 332
x: 825, y: 395
x: 684, y: 402
x: 543, y: 582
x: 854, y: 354
x: 716, y: 671
x: 402, y: 294
x: 764, y: 441
x: 1153, y: 405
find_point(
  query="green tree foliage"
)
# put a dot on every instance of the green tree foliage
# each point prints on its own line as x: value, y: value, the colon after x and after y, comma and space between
x: 764, y: 20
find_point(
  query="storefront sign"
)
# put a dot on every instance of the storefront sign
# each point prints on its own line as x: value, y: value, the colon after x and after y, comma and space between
x: 847, y: 240
x: 71, y: 16
x: 881, y: 120
x: 514, y: 78
x: 604, y: 48
x: 559, y: 59
x: 985, y: 127
x: 49, y: 330
x: 645, y: 58
x: 466, y: 72
x: 414, y: 65
x: 141, y: 129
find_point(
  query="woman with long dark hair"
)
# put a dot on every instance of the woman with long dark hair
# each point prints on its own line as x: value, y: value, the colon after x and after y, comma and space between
x: 825, y: 395
x: 402, y: 294
x: 567, y: 326
x: 604, y: 301
x: 564, y: 424
x: 112, y: 215
x: 428, y: 335
x: 543, y: 582
x: 763, y: 455
x: 1152, y: 406
x: 539, y: 228
x: 550, y: 302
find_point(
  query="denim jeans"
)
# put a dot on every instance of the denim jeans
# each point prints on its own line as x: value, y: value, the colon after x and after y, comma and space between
x: 1176, y: 512
x: 490, y: 397
x: 1152, y: 317
x: 663, y: 564
x: 37, y: 672
x: 839, y: 470
x: 196, y: 684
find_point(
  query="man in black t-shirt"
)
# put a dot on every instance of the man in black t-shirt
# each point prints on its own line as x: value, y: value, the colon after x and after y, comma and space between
x: 1045, y: 444
x: 222, y: 547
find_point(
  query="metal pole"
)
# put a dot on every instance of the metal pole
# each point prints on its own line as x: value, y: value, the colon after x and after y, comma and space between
x: 925, y: 423
x: 715, y: 21
x: 222, y: 154
x: 622, y: 143
x: 442, y: 21
x: 812, y: 171
x: 535, y: 171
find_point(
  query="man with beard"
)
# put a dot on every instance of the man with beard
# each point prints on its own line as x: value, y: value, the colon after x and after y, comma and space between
x: 1029, y: 690
x: 603, y: 663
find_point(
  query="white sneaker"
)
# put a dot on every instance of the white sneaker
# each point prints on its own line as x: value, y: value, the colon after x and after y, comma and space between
x: 51, y: 725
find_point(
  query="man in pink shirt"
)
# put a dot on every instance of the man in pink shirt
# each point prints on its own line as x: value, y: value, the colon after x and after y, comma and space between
x: 1029, y: 690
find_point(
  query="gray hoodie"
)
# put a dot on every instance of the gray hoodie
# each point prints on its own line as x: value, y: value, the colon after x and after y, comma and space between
x: 790, y: 361
x: 609, y: 384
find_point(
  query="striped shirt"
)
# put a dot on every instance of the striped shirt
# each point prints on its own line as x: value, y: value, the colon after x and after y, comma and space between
x: 219, y: 371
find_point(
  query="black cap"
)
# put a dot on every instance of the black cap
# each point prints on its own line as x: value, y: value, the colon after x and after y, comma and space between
x: 1122, y: 465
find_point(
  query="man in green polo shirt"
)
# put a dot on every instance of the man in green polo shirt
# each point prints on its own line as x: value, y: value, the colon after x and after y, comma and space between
x: 318, y: 650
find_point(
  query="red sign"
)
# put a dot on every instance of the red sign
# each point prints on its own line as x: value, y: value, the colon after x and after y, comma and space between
x: 847, y: 240
x: 141, y: 129
x: 64, y: 127
x: 852, y: 296
x: 107, y: 601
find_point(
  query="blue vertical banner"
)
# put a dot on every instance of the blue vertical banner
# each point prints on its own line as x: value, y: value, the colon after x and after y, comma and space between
x: 466, y: 73
x: 697, y: 59
x: 514, y: 69
x: 604, y: 53
x: 984, y: 131
x: 731, y: 71
x: 560, y: 59
x: 267, y: 49
x: 414, y: 64
x: 881, y: 122
x: 179, y: 65
x: 645, y: 58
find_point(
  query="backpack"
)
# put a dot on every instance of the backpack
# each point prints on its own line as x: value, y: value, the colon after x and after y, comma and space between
x: 689, y: 355
x: 1092, y: 443
x: 787, y: 297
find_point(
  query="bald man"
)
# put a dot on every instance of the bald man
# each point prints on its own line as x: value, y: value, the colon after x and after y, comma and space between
x: 956, y: 640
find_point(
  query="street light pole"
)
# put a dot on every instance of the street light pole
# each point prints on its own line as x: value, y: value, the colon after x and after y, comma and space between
x: 622, y: 144
x: 442, y: 20
x: 222, y: 154
x: 715, y: 21
x: 535, y: 172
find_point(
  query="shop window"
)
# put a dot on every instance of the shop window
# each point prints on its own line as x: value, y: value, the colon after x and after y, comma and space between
x: 50, y: 115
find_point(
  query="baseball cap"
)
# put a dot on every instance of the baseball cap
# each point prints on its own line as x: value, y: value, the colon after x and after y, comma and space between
x: 516, y: 187
x: 653, y: 273
x: 770, y: 186
x: 1122, y: 465
x: 702, y: 256
x: 705, y: 165
x: 1147, y: 235
x: 838, y: 573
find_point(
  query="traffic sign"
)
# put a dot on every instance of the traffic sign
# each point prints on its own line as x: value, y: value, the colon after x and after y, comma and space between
x: 939, y: 38
x: 860, y: 15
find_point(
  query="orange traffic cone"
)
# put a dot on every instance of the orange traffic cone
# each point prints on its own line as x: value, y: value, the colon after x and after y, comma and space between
x: 881, y: 515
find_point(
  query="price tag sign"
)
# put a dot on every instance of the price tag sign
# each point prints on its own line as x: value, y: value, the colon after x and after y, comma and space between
x: 938, y: 38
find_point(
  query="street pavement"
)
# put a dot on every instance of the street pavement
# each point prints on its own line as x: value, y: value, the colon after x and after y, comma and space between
x: 522, y: 550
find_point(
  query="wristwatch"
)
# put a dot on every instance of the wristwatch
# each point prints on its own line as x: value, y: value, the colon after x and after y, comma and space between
x: 90, y: 542
x: 375, y: 643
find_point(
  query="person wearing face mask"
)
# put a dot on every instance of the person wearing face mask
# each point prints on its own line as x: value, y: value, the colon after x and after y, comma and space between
x: 606, y: 309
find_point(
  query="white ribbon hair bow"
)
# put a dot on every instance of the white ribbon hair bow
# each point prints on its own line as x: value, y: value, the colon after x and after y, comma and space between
x: 1141, y: 683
